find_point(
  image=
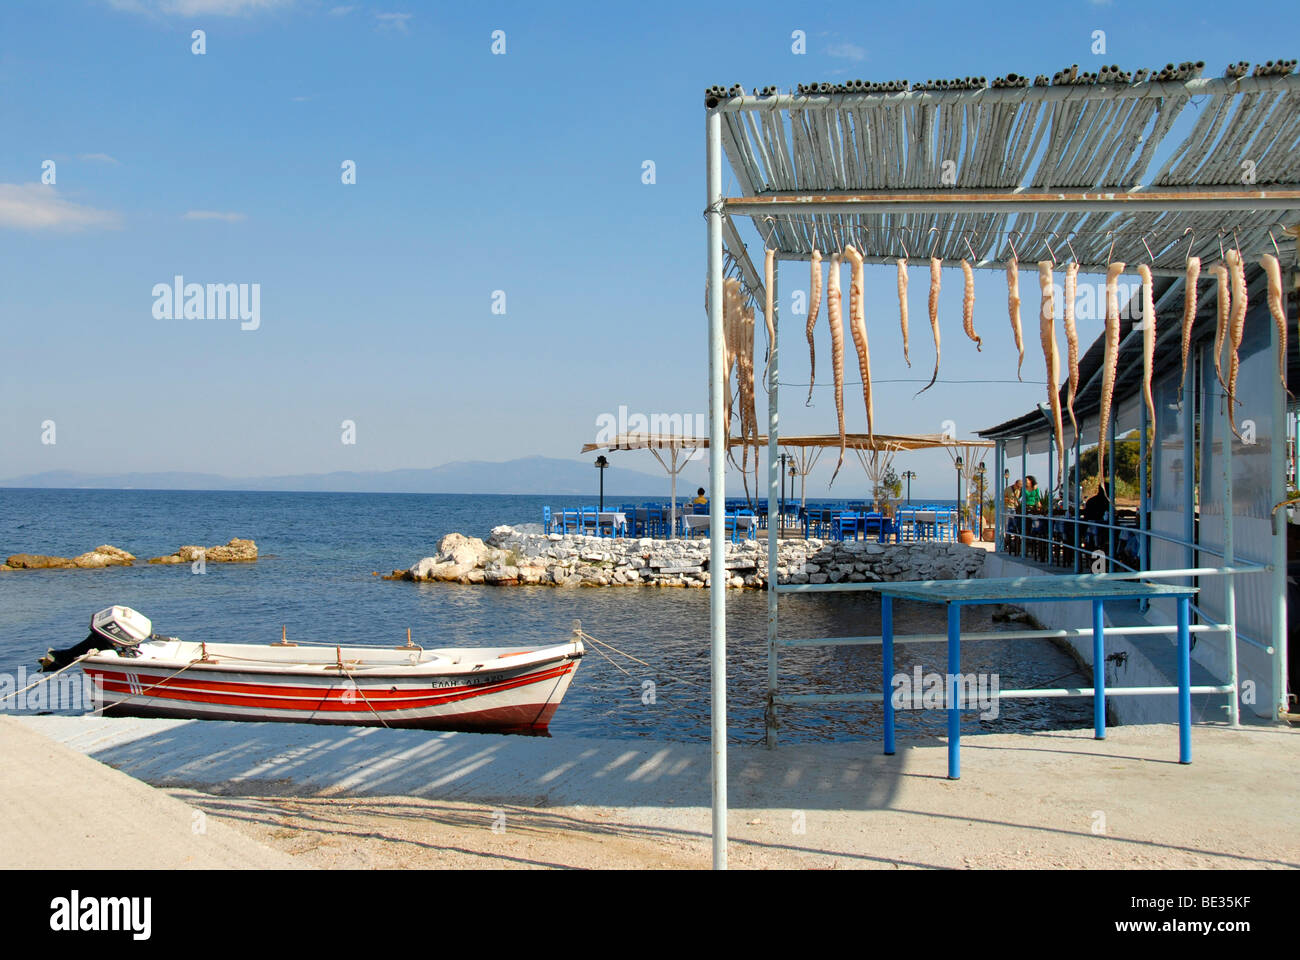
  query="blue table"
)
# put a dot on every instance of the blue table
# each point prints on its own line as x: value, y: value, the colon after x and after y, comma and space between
x: 1019, y: 590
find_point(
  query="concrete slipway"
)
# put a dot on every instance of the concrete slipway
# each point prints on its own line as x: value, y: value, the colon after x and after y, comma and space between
x: 1045, y: 799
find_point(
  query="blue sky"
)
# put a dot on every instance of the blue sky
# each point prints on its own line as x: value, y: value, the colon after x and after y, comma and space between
x: 474, y: 173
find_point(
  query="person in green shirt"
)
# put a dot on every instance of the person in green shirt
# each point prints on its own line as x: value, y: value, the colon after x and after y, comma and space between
x: 1033, y: 496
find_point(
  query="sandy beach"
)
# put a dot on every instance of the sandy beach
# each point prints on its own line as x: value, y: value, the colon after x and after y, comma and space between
x: 312, y: 797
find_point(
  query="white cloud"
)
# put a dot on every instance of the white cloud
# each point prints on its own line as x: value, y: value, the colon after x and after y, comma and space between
x: 37, y: 206
x: 100, y: 158
x: 393, y: 21
x: 198, y: 8
x: 341, y: 11
x: 215, y: 215
x: 846, y: 51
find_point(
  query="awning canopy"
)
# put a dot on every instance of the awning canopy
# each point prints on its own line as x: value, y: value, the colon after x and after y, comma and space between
x: 854, y: 441
x: 965, y: 169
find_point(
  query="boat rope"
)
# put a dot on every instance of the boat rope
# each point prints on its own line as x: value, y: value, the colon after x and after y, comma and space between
x: 47, y: 677
x: 109, y: 706
x: 366, y: 699
x: 584, y: 635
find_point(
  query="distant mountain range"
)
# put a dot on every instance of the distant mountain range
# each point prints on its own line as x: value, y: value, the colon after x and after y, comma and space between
x: 526, y: 475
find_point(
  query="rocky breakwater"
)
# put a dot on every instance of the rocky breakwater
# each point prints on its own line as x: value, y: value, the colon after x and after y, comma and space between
x: 102, y: 556
x: 236, y: 551
x: 512, y: 557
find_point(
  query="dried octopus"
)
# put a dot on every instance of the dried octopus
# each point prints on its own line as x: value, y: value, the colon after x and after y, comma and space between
x: 968, y: 304
x: 858, y: 326
x: 1148, y: 339
x: 1110, y: 360
x: 1047, y: 334
x: 902, y: 304
x: 814, y: 307
x: 1072, y: 340
x: 837, y: 350
x: 1189, y: 309
x: 1274, y: 273
x: 935, y: 264
x: 1013, y: 308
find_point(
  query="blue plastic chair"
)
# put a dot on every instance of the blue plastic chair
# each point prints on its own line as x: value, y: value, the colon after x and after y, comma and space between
x: 546, y: 520
x: 846, y: 525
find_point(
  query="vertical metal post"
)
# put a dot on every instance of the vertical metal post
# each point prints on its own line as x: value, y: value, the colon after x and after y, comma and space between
x: 1078, y: 503
x: 1051, y: 458
x: 1114, y: 511
x: 1189, y: 471
x: 1184, y: 681
x: 1230, y: 581
x: 887, y: 667
x: 954, y: 668
x: 1277, y: 454
x: 775, y: 480
x: 1143, y: 560
x: 717, y: 494
x: 1099, y: 669
x: 1024, y: 516
x: 998, y: 494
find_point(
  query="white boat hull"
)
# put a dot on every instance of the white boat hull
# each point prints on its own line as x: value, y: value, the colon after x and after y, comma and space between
x: 485, y: 690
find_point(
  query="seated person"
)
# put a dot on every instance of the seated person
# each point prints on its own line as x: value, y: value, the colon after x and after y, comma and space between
x: 700, y: 497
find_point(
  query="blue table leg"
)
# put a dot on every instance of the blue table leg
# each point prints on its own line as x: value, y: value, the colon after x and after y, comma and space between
x: 1098, y: 670
x: 887, y: 661
x: 954, y: 714
x: 1184, y: 682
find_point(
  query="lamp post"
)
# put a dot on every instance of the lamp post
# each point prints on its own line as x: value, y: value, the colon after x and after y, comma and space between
x: 958, y: 464
x: 793, y: 473
x: 784, y: 458
x: 980, y: 473
x: 909, y: 476
x: 601, y: 465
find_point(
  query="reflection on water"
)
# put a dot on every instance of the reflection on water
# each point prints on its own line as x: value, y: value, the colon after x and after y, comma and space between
x: 319, y: 553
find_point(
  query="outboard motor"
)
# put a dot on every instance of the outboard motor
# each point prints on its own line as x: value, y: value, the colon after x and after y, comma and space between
x: 119, y: 629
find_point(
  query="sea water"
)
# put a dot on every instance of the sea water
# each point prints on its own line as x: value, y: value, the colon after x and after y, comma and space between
x: 317, y: 576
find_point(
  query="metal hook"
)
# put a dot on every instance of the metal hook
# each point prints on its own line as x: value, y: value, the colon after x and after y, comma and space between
x: 1014, y: 233
x: 1150, y: 256
x: 1048, y: 244
x: 1275, y: 246
x: 1221, y: 256
x: 1190, y: 243
x: 1069, y: 244
x: 1111, y: 252
x: 935, y: 231
x: 968, y: 246
x: 772, y: 220
x: 902, y: 243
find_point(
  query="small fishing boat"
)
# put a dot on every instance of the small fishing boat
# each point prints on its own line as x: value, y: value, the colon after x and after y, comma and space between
x: 139, y: 673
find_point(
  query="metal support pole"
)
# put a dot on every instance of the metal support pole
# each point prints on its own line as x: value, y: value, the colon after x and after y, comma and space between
x: 1142, y: 490
x: 1114, y: 510
x: 1189, y: 469
x: 954, y: 668
x: 717, y: 494
x: 887, y: 665
x: 775, y: 479
x: 1051, y: 459
x: 1078, y: 503
x: 1229, y: 582
x: 999, y: 494
x: 1099, y: 669
x: 1278, y: 456
x: 1184, y: 681
x: 1024, y: 516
